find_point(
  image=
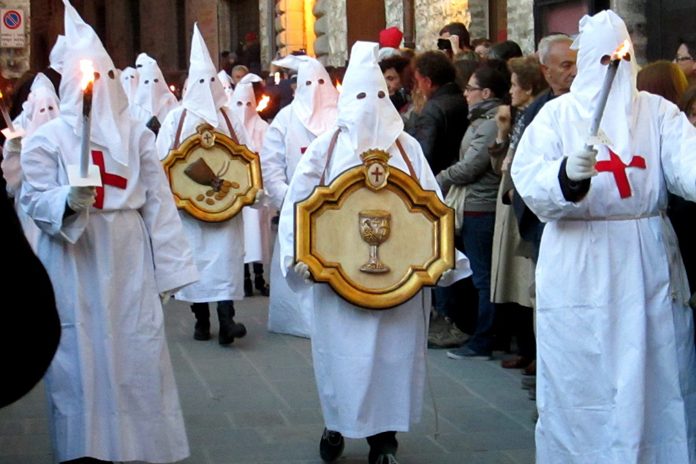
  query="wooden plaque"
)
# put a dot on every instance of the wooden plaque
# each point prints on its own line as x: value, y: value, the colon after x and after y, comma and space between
x: 212, y: 177
x: 374, y: 234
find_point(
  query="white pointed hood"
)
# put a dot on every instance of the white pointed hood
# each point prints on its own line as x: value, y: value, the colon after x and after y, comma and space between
x: 57, y: 55
x: 315, y: 98
x: 205, y: 94
x: 41, y: 106
x: 250, y: 78
x: 110, y: 118
x: 601, y: 35
x: 129, y: 80
x: 226, y: 82
x: 152, y: 96
x: 243, y: 104
x: 364, y: 109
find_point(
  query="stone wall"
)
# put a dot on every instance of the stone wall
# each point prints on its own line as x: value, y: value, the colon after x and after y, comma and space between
x: 394, y: 10
x: 432, y: 15
x: 520, y: 20
x: 330, y: 45
x: 633, y: 14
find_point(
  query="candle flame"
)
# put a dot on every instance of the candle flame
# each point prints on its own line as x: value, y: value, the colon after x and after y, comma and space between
x: 622, y: 51
x: 276, y: 78
x: 1, y: 95
x: 263, y: 104
x: 87, y: 69
x: 339, y: 86
x: 172, y: 88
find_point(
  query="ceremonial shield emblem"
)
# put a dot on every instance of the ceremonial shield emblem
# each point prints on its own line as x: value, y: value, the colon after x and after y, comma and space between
x: 374, y: 234
x: 212, y: 177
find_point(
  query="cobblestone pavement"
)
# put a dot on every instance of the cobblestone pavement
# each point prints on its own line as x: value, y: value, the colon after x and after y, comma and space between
x: 256, y: 402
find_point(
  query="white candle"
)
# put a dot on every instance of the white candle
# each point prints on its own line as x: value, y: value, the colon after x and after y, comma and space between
x: 87, y: 86
x: 6, y: 114
x: 615, y: 59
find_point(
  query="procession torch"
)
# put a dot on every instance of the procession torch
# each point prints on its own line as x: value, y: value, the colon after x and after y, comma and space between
x: 10, y: 132
x: 263, y: 103
x: 619, y: 54
x: 87, y: 84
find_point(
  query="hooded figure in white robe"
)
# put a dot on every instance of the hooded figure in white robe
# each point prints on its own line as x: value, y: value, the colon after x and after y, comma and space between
x: 153, y: 98
x: 226, y: 81
x: 42, y: 105
x: 110, y: 386
x: 616, y: 366
x: 311, y: 113
x: 257, y: 221
x: 218, y: 247
x: 129, y: 80
x: 369, y: 365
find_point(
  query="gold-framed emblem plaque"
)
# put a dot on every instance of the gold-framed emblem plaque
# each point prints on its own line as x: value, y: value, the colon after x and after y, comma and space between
x: 211, y: 176
x: 374, y: 235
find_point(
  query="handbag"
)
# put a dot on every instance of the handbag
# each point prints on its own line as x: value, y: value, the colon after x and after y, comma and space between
x: 455, y: 199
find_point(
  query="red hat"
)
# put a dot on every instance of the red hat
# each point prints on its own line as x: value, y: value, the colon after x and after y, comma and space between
x: 250, y: 36
x: 390, y: 37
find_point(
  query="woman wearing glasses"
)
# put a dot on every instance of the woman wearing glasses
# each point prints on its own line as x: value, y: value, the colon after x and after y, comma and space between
x: 484, y: 92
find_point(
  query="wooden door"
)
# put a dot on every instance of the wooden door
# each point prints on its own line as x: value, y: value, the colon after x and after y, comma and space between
x: 365, y: 19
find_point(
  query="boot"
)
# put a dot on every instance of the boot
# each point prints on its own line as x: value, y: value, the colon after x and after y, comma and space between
x: 229, y: 330
x: 259, y: 282
x: 201, y: 331
x: 248, y: 288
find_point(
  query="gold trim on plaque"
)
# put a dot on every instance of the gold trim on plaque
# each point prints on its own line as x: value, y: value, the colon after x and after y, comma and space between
x: 406, y: 243
x: 212, y: 178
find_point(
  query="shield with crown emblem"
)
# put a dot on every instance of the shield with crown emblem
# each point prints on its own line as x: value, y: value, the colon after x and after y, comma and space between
x: 374, y: 234
x: 211, y: 176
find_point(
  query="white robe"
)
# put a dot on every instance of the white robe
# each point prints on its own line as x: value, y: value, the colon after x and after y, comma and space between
x: 616, y: 371
x: 257, y: 220
x: 218, y: 247
x: 110, y: 386
x: 369, y: 365
x: 289, y: 311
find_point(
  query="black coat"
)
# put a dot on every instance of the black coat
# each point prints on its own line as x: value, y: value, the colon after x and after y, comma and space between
x: 440, y: 126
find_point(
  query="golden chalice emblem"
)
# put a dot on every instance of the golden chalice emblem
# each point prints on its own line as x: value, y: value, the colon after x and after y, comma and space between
x: 375, y: 225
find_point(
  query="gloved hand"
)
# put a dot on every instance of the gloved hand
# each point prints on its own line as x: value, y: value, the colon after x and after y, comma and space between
x: 581, y: 164
x: 81, y: 198
x: 302, y: 270
x: 260, y: 196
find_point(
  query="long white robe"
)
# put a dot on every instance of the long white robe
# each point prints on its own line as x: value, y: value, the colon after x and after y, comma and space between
x: 616, y: 371
x: 110, y: 386
x: 369, y: 365
x: 257, y: 220
x: 285, y: 141
x: 218, y: 247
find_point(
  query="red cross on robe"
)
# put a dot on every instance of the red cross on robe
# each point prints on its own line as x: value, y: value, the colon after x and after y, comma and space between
x: 618, y: 169
x: 106, y: 177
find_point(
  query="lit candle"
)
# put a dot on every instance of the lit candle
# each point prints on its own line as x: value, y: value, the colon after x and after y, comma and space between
x: 6, y: 114
x: 276, y: 77
x: 263, y: 103
x: 87, y: 84
x: 619, y: 54
x: 339, y: 86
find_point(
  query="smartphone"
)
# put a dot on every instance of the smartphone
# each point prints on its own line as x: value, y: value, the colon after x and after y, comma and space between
x: 444, y: 44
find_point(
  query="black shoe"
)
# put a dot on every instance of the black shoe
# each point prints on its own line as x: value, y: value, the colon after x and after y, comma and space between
x: 229, y: 330
x: 386, y: 458
x: 248, y: 288
x: 331, y: 445
x: 201, y: 330
x: 260, y: 285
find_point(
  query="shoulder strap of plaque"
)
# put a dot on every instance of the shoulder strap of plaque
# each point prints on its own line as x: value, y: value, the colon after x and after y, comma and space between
x: 332, y: 145
x: 177, y: 137
x: 406, y: 160
x: 233, y: 134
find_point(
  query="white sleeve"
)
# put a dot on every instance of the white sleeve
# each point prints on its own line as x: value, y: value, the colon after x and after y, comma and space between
x: 274, y: 161
x: 166, y: 134
x: 678, y: 151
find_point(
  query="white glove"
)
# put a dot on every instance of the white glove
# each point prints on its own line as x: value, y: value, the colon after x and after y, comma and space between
x: 302, y: 270
x: 260, y: 196
x: 581, y: 164
x: 165, y: 297
x: 81, y: 198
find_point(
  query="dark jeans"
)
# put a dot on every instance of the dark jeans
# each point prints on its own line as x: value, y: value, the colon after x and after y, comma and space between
x: 477, y: 235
